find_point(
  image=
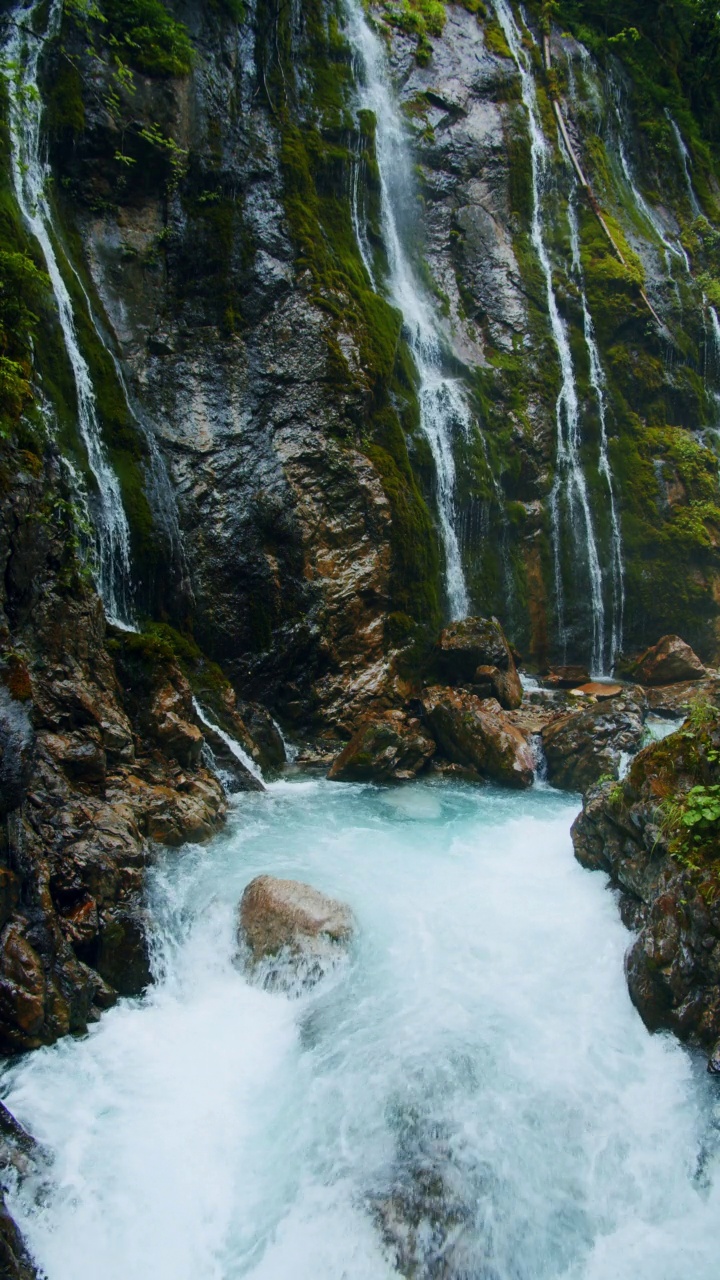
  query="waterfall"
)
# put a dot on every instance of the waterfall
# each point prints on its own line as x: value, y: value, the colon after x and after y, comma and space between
x: 31, y: 177
x: 232, y: 744
x: 685, y: 159
x: 569, y: 477
x: 597, y: 382
x: 443, y: 409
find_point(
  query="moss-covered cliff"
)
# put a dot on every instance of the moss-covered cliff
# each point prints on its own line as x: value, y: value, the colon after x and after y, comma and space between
x: 278, y: 485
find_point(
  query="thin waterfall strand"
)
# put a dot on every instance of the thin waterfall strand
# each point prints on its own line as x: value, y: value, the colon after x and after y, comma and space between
x: 569, y: 472
x: 31, y: 176
x: 231, y: 743
x: 443, y: 410
x: 685, y: 159
x: 597, y: 382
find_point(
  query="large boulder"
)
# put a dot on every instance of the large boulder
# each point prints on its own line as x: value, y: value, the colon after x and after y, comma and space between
x: 290, y: 933
x: 473, y: 732
x: 587, y: 745
x: 389, y: 747
x: 475, y: 651
x: 670, y: 661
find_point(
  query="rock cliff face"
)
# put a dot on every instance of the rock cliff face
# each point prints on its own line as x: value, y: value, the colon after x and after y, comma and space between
x: 280, y: 492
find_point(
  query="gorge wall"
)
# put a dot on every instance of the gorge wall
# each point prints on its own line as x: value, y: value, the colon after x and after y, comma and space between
x: 214, y: 208
x: 301, y: 309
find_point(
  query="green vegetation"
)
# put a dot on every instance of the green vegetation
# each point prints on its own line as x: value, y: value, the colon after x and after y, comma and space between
x: 140, y: 33
x: 671, y: 49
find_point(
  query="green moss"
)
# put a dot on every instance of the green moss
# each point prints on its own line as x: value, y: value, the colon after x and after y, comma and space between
x: 146, y: 36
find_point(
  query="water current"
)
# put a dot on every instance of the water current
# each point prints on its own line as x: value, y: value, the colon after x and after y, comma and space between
x: 475, y: 1071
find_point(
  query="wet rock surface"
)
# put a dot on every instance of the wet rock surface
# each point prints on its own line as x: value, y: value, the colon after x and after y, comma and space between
x: 291, y: 933
x: 391, y: 747
x: 584, y: 746
x: 476, y: 733
x: 670, y: 661
x: 476, y: 652
x: 99, y: 760
x: 668, y: 881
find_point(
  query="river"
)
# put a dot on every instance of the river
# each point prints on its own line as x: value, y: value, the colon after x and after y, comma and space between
x: 476, y: 1069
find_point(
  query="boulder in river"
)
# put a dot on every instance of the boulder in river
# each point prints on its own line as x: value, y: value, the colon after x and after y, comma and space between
x: 475, y: 651
x: 291, y: 933
x: 670, y: 661
x: 583, y: 747
x: 474, y: 732
x: 389, y: 747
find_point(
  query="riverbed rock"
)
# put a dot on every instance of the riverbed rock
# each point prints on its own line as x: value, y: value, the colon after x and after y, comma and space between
x: 476, y: 733
x: 670, y: 661
x: 389, y: 747
x: 475, y: 651
x: 671, y: 902
x: 291, y: 933
x: 588, y: 744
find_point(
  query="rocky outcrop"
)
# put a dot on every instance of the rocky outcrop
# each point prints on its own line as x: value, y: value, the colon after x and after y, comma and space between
x: 390, y: 747
x: 670, y: 661
x: 291, y: 933
x: 99, y: 760
x: 667, y: 872
x: 476, y: 652
x: 590, y: 744
x: 20, y: 1158
x: 476, y: 733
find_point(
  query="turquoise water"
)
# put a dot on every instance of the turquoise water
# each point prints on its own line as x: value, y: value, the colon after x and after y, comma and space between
x: 479, y: 1043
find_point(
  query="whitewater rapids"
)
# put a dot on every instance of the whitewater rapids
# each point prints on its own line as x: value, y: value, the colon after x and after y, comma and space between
x: 481, y: 1029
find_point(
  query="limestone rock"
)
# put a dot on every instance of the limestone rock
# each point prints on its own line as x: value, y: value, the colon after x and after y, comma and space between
x: 475, y: 652
x: 476, y: 733
x: 291, y: 931
x: 670, y: 661
x: 582, y: 747
x: 171, y: 727
x: 387, y: 747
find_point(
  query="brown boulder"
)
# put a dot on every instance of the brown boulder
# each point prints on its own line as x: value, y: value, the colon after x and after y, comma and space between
x: 390, y: 747
x: 568, y: 677
x: 586, y: 745
x: 293, y: 931
x: 670, y: 661
x: 175, y: 734
x: 475, y: 651
x: 475, y: 733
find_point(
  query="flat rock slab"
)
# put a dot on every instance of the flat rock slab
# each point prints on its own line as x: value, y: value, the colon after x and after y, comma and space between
x: 598, y: 689
x: 292, y: 931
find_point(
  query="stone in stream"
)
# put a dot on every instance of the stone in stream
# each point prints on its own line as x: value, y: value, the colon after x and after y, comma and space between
x: 473, y: 732
x: 475, y: 652
x: 20, y: 1157
x: 290, y: 933
x: 389, y: 747
x: 583, y: 747
x: 670, y: 661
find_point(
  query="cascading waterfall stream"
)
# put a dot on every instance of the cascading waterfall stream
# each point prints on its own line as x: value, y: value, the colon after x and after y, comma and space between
x: 443, y: 409
x: 597, y: 382
x: 31, y: 177
x: 570, y: 478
